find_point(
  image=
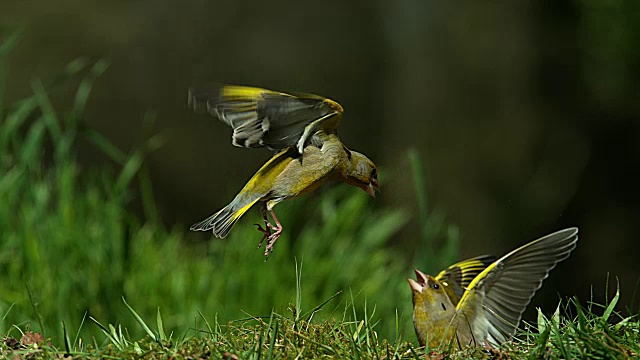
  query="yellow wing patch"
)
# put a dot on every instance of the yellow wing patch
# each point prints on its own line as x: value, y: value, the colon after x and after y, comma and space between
x: 261, y: 117
x: 465, y: 271
x: 235, y: 92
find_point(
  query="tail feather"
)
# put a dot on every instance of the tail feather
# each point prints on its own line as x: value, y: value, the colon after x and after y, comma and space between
x: 222, y: 221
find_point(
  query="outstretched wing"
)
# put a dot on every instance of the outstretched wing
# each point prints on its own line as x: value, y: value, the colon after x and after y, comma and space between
x: 507, y: 286
x: 261, y: 117
x: 457, y: 277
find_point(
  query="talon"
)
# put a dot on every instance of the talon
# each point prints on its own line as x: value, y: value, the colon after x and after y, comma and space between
x: 266, y: 233
x: 264, y: 230
x: 270, y: 232
x: 272, y: 241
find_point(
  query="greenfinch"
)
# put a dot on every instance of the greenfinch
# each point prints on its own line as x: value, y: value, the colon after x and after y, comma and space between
x: 302, y: 129
x: 481, y: 300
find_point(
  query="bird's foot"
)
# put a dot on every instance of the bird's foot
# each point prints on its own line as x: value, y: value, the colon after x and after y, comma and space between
x: 270, y: 231
x: 266, y: 231
x: 272, y: 241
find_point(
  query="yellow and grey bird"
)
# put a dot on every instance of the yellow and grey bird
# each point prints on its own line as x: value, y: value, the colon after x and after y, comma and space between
x: 302, y: 129
x: 480, y: 301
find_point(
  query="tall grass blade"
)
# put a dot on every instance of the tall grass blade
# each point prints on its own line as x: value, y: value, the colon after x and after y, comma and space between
x: 6, y: 46
x: 205, y: 322
x: 162, y: 335
x: 131, y: 167
x: 141, y: 322
x: 107, y: 147
x: 111, y: 335
x: 84, y: 89
x: 10, y: 41
x: 67, y: 342
x: 309, y: 314
x: 298, y: 291
x: 609, y: 310
x: 84, y: 317
x: 34, y: 306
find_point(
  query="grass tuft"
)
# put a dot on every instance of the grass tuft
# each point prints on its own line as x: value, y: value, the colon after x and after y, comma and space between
x: 561, y: 336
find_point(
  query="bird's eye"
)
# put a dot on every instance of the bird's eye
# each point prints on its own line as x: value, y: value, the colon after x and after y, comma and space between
x: 374, y: 174
x: 435, y: 286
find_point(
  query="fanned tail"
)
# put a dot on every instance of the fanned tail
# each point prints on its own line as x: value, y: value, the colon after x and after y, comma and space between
x: 222, y: 221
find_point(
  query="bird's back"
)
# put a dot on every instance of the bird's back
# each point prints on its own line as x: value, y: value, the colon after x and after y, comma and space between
x: 304, y: 174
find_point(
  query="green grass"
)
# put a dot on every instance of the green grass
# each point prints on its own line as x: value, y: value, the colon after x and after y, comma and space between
x: 574, y: 331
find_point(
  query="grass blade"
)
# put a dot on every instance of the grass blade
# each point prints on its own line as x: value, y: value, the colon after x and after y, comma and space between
x: 110, y: 334
x: 161, y: 333
x: 609, y: 310
x: 67, y: 342
x: 141, y: 322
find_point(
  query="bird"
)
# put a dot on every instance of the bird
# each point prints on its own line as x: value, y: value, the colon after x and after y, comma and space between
x: 480, y: 301
x: 301, y: 129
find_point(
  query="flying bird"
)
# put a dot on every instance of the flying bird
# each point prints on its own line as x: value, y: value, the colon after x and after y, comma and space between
x: 301, y: 129
x: 480, y: 301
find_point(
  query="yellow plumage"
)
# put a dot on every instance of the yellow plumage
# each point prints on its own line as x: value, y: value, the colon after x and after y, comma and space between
x: 302, y: 129
x: 481, y: 300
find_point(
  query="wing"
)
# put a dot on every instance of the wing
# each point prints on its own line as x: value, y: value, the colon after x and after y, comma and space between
x: 457, y: 277
x: 261, y: 117
x: 508, y: 284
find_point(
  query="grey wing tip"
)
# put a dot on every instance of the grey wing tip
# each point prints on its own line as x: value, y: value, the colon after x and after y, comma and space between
x: 219, y: 223
x: 568, y: 231
x: 204, y: 225
x: 197, y: 227
x: 568, y: 235
x: 201, y: 226
x: 202, y: 97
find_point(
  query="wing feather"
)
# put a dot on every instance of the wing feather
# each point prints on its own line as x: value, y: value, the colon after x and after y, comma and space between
x: 509, y: 283
x: 261, y: 117
x: 458, y: 276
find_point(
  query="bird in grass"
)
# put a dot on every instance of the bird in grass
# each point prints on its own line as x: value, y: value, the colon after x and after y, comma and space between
x: 301, y: 129
x: 481, y: 300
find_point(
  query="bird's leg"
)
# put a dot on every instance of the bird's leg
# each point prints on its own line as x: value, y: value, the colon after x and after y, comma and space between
x: 277, y: 228
x: 266, y: 231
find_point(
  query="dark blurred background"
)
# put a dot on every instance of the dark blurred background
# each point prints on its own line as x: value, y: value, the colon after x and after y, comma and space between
x: 525, y: 113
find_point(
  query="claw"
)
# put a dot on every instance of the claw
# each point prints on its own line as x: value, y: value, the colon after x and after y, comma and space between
x: 264, y: 230
x: 270, y: 232
x: 272, y: 241
x: 266, y: 233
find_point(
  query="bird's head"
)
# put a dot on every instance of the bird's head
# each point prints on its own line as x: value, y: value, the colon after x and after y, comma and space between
x: 429, y: 297
x: 363, y: 173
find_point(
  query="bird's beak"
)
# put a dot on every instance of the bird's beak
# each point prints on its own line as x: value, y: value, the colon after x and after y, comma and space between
x: 421, y: 283
x: 414, y: 285
x: 422, y: 278
x: 372, y: 188
x: 371, y: 191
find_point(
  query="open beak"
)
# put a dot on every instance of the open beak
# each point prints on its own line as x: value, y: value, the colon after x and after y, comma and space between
x: 414, y: 285
x: 422, y: 278
x: 373, y: 187
x: 421, y: 283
